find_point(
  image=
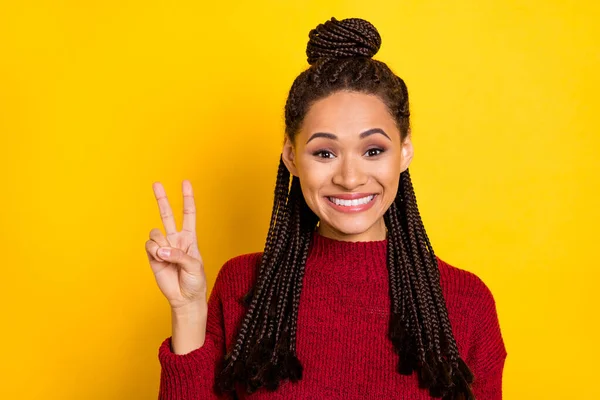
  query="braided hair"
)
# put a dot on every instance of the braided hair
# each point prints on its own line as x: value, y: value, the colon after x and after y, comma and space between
x: 264, y: 353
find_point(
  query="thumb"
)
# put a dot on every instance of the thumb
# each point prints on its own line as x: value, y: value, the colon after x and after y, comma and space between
x: 179, y: 257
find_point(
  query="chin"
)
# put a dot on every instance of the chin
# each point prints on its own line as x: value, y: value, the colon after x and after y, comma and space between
x: 357, y: 227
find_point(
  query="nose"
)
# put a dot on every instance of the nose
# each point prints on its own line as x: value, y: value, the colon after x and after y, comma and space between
x: 349, y: 174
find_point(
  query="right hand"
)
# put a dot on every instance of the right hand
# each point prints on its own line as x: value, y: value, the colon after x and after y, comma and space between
x: 180, y: 276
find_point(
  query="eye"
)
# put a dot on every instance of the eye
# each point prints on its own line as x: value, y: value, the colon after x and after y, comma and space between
x: 323, y: 154
x: 374, y: 152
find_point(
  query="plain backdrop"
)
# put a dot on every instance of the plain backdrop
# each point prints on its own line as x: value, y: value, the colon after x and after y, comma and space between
x: 99, y: 99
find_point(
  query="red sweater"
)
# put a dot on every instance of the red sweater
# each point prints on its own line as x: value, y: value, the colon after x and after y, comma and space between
x: 342, y: 338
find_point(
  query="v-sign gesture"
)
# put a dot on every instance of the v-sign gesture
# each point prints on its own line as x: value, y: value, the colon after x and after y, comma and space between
x: 180, y: 273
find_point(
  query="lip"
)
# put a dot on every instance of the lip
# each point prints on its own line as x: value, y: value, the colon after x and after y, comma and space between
x: 352, y: 209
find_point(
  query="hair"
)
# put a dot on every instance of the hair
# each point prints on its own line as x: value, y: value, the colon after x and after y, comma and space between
x: 264, y: 353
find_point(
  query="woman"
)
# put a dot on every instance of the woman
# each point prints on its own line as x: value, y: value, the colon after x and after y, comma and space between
x: 348, y: 299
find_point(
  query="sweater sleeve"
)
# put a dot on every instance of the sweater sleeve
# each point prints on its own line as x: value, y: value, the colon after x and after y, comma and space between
x: 487, y: 353
x: 191, y: 376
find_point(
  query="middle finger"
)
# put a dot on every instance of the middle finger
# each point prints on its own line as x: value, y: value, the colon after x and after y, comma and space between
x: 189, y: 207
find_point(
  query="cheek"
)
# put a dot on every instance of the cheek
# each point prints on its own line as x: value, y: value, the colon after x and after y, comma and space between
x: 311, y: 190
x: 388, y: 174
x: 313, y: 180
x: 389, y: 179
x: 311, y: 193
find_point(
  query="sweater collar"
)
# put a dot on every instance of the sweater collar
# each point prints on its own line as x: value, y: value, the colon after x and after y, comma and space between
x: 363, y: 254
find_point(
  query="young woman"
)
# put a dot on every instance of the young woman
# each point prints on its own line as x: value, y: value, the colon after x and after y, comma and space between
x: 348, y: 299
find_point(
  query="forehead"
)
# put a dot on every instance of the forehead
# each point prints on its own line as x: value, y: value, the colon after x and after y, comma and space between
x: 347, y: 112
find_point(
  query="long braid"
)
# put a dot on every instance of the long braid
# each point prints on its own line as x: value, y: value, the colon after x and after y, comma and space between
x: 232, y: 366
x: 255, y: 357
x: 445, y: 373
x: 422, y: 294
x: 258, y: 357
x: 463, y: 375
x: 264, y: 353
x: 409, y: 341
x: 428, y: 278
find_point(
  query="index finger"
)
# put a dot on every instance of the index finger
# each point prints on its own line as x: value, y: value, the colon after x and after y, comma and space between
x: 189, y: 207
x: 166, y: 214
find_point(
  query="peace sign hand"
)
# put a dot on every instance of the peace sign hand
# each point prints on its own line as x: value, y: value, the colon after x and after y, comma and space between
x: 180, y: 274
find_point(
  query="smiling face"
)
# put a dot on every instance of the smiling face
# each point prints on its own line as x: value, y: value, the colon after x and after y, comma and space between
x: 348, y: 156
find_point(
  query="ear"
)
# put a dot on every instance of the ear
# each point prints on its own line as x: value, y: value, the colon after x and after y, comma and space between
x: 289, y: 157
x: 407, y: 152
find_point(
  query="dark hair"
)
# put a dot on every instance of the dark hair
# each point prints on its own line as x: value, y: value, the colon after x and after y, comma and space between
x: 340, y: 54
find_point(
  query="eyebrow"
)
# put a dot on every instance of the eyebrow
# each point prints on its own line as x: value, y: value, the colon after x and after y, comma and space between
x: 363, y: 135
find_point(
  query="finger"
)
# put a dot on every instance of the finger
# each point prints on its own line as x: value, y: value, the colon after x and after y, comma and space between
x: 166, y: 214
x: 151, y: 249
x: 179, y: 257
x: 159, y: 238
x: 189, y: 207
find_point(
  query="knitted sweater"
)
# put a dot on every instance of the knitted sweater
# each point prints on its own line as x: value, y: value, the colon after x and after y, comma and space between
x: 341, y: 339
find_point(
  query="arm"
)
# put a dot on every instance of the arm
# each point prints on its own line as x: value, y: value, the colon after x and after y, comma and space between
x: 487, y: 354
x: 190, y: 376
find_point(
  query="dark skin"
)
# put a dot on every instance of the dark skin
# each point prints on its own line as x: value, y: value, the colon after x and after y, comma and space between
x: 349, y: 143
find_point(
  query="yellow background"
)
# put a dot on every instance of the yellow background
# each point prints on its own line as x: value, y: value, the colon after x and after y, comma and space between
x: 98, y: 99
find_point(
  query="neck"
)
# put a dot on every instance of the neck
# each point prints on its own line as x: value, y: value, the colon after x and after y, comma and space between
x: 377, y: 231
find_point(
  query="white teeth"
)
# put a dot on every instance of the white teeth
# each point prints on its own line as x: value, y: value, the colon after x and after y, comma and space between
x: 355, y: 202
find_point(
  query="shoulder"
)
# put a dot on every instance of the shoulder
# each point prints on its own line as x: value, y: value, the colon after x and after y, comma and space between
x: 472, y: 310
x: 237, y: 275
x: 470, y: 302
x: 240, y: 265
x: 462, y: 285
x: 474, y: 319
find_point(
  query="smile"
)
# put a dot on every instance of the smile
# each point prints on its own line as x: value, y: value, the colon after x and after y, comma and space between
x: 352, y: 205
x: 354, y: 202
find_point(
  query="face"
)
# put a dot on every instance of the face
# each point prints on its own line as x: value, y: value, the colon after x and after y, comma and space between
x: 348, y: 156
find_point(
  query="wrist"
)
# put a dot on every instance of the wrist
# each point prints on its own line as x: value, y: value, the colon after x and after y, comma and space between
x: 188, y: 328
x: 187, y: 310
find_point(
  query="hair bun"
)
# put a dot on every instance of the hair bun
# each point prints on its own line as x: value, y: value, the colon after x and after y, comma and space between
x: 349, y: 37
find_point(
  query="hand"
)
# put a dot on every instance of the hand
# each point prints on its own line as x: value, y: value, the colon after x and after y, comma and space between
x: 180, y: 275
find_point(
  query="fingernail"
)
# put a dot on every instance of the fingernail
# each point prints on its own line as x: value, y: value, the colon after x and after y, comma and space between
x: 164, y: 252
